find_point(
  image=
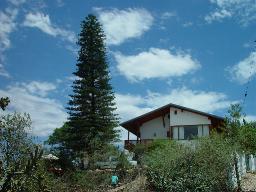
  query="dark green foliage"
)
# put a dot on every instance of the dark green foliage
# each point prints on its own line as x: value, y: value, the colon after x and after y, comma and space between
x: 25, y: 177
x: 233, y: 122
x: 80, y: 181
x: 241, y: 135
x: 140, y: 150
x: 103, y: 154
x: 91, y: 108
x: 4, y: 101
x: 180, y: 168
x: 247, y: 138
x: 123, y: 165
x: 59, y: 136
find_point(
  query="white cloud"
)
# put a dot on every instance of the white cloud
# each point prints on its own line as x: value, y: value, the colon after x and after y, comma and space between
x: 243, y: 10
x: 167, y: 15
x: 17, y: 2
x: 60, y: 3
x: 200, y: 100
x: 39, y: 88
x: 187, y: 24
x: 43, y: 22
x: 46, y: 114
x: 250, y: 118
x: 130, y: 106
x: 218, y: 15
x: 156, y: 63
x: 244, y: 70
x: 7, y: 26
x: 120, y: 25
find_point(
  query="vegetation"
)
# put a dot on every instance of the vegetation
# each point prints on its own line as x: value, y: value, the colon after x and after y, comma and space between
x: 236, y: 131
x: 92, y: 119
x: 4, y: 101
x: 247, y: 135
x: 91, y: 108
x: 15, y: 142
x: 177, y: 167
x: 19, y: 156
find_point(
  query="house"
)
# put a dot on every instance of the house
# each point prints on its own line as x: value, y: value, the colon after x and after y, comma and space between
x: 171, y: 122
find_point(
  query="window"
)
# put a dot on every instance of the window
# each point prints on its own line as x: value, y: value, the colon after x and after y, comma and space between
x: 185, y: 132
x: 190, y: 132
x: 203, y: 130
x: 175, y: 112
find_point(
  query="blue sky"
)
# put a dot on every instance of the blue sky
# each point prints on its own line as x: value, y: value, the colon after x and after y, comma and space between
x: 197, y: 53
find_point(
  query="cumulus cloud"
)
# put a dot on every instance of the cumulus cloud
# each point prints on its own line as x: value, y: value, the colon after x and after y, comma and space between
x: 244, y: 10
x: 218, y: 15
x: 120, y: 25
x: 129, y: 106
x: 200, y: 100
x: 7, y: 26
x: 244, y: 70
x: 46, y: 113
x: 39, y: 88
x: 155, y: 63
x: 43, y: 23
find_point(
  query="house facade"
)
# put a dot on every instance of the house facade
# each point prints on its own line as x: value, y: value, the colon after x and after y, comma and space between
x: 171, y: 122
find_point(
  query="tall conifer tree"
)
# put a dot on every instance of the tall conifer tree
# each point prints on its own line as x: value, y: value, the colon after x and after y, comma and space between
x: 91, y: 108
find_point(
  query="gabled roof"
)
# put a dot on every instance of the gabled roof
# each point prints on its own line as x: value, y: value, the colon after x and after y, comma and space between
x: 133, y: 124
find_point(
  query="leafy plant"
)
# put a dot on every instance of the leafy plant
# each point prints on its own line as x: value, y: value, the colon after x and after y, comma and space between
x: 179, y: 168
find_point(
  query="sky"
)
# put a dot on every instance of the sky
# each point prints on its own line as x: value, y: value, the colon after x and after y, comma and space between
x: 199, y: 54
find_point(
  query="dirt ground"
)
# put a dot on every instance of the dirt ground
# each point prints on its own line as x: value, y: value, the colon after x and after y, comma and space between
x: 249, y: 182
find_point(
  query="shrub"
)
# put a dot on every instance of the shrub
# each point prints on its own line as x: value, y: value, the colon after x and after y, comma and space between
x: 179, y: 168
x: 140, y: 150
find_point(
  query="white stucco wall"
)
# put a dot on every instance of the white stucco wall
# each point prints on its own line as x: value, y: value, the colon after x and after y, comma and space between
x: 155, y: 127
x: 187, y: 118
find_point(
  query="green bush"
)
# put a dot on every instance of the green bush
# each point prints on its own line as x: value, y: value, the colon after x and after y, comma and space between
x: 179, y: 168
x: 123, y: 165
x: 140, y: 150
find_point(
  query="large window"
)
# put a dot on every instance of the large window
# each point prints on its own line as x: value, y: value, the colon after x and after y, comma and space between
x: 190, y: 132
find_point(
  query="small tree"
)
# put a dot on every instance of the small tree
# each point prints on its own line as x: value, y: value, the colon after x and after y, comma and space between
x: 241, y: 135
x: 19, y: 156
x: 59, y: 141
x: 247, y: 137
x: 15, y: 141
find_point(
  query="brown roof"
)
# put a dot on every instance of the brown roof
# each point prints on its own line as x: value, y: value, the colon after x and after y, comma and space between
x: 132, y: 125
